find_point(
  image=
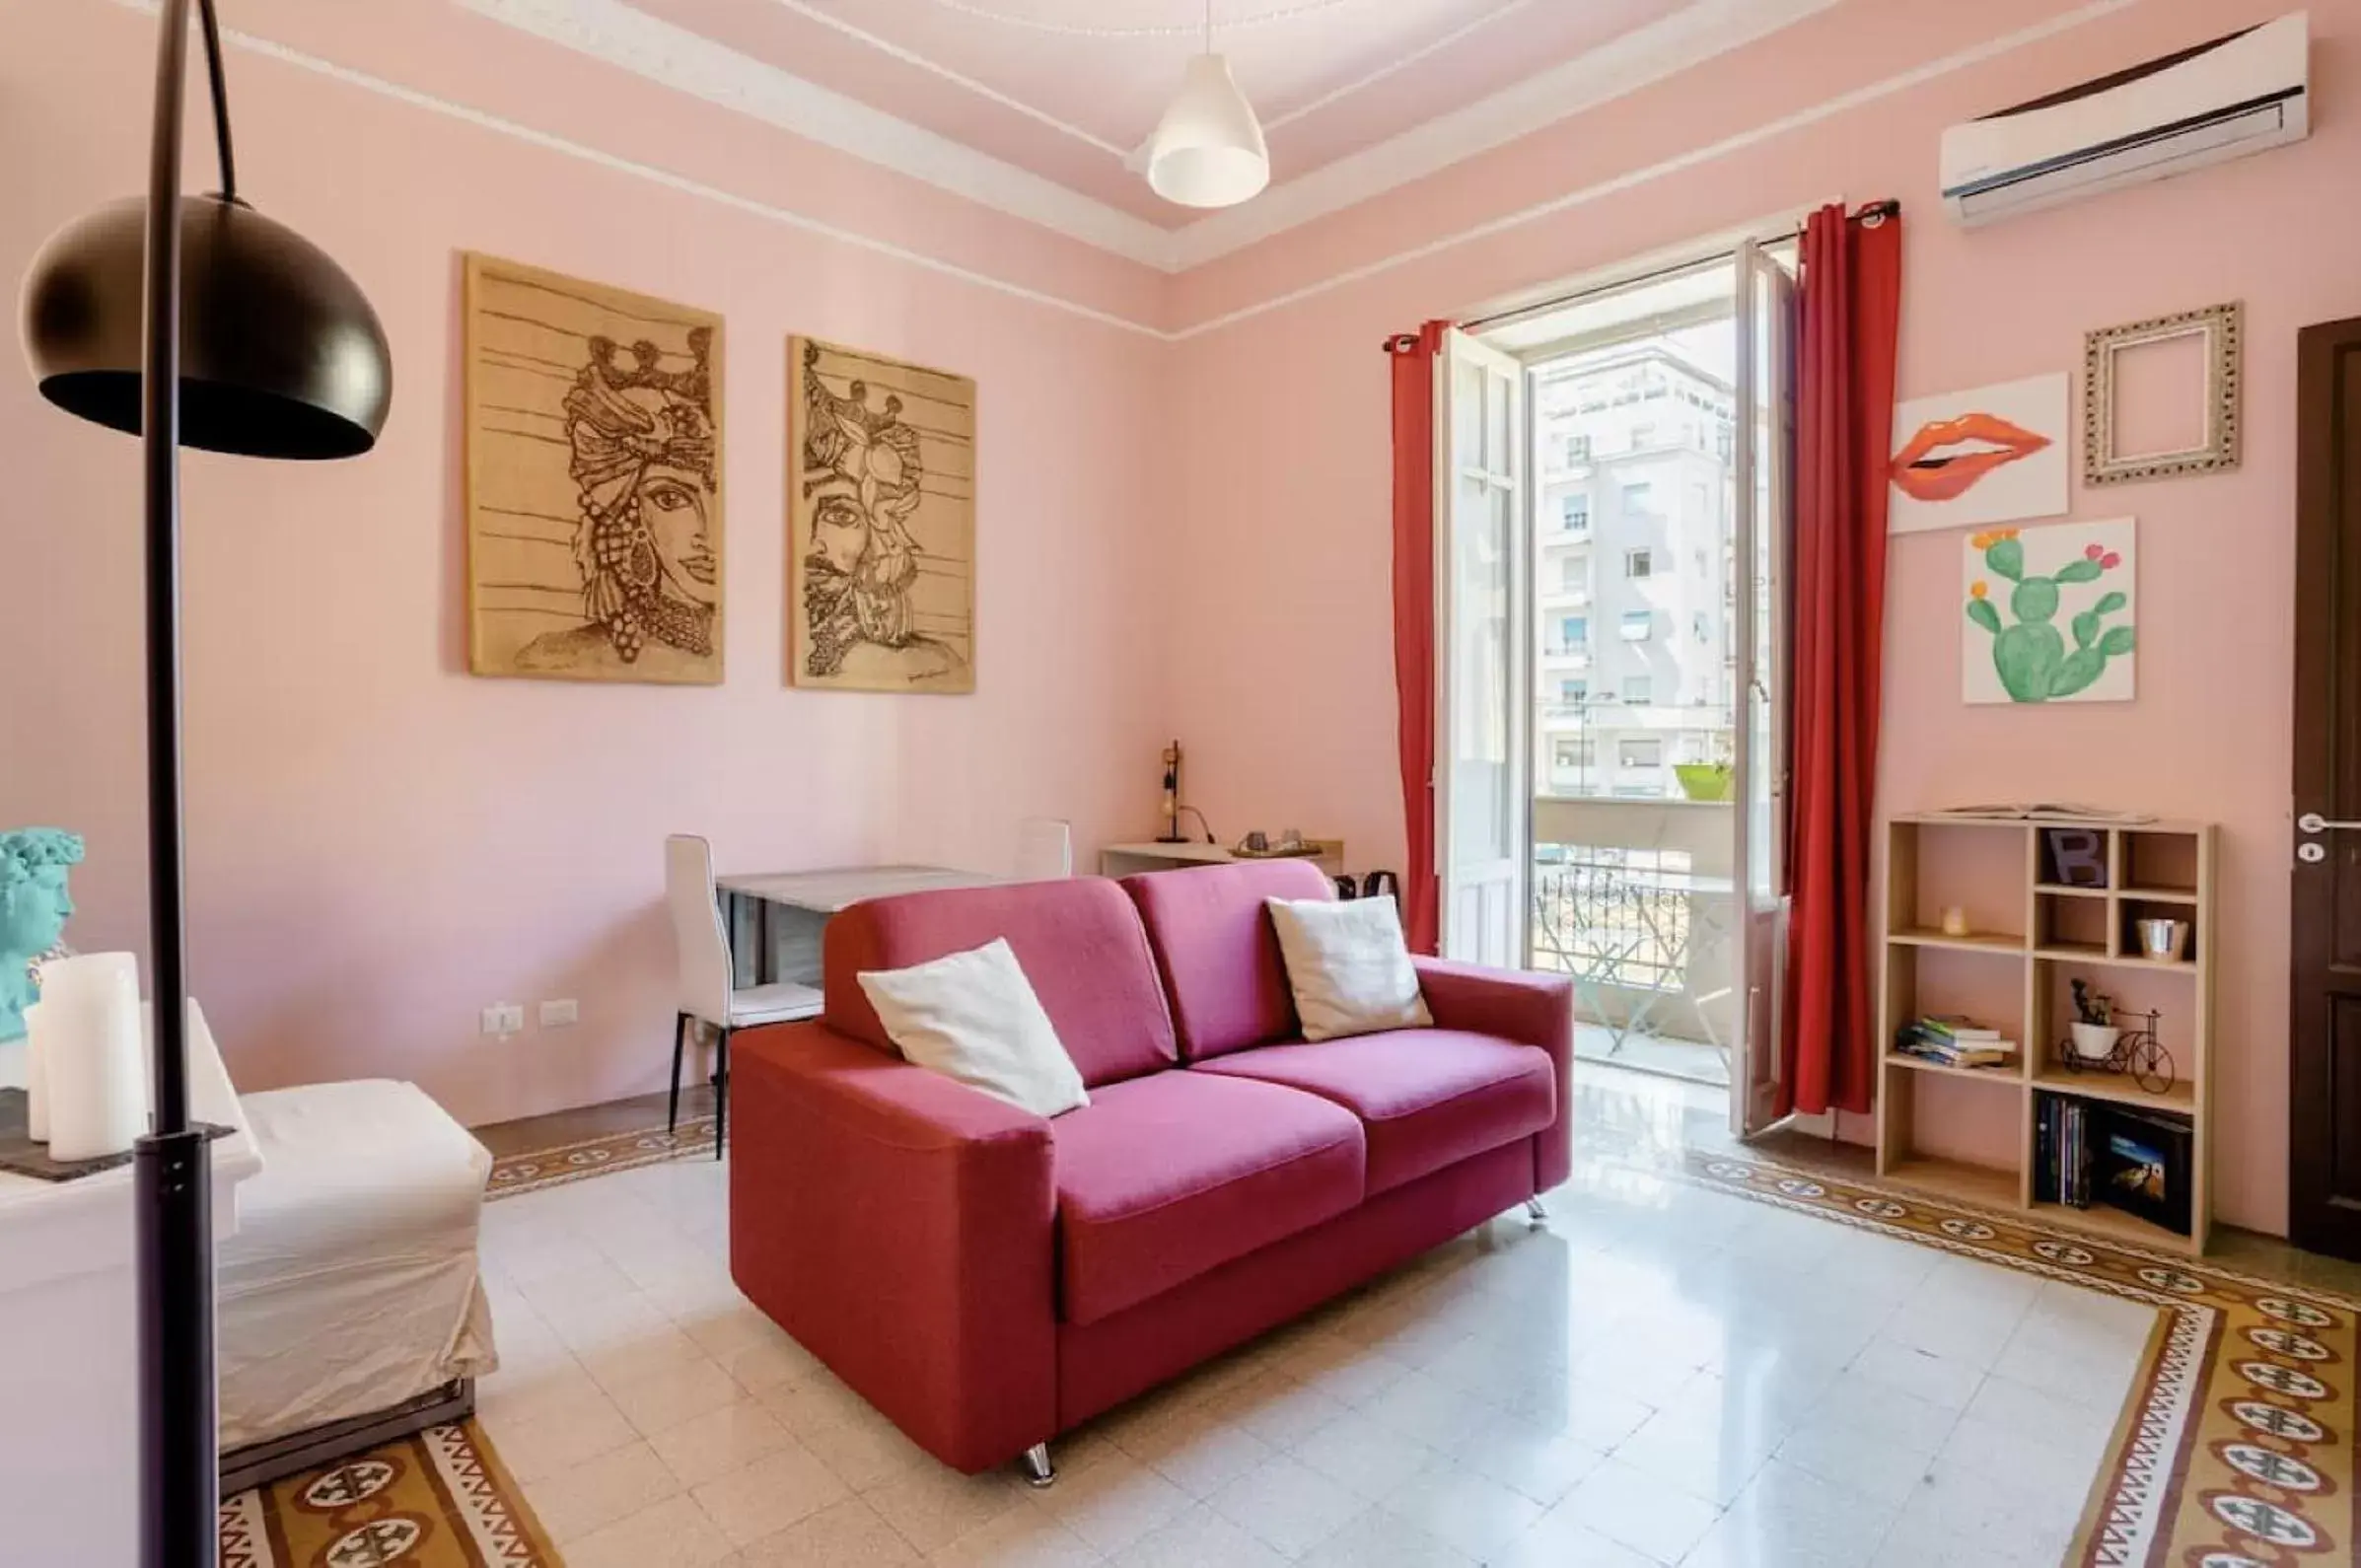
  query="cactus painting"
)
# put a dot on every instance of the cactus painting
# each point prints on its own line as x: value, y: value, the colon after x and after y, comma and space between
x: 2050, y: 614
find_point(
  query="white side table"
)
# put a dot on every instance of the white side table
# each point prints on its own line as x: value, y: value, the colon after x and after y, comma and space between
x: 69, y: 1342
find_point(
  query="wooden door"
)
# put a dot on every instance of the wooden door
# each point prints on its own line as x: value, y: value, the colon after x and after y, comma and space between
x: 2325, y: 1006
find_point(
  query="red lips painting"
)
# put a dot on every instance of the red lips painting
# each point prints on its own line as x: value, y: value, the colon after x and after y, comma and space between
x: 1993, y: 455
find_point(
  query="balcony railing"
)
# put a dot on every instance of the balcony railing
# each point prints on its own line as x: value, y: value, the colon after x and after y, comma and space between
x: 1633, y: 899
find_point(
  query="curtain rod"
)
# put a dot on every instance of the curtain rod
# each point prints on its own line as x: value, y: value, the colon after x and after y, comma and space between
x: 1872, y: 214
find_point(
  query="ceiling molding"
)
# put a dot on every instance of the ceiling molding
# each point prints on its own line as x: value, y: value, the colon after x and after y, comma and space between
x: 672, y: 56
x: 989, y: 93
x: 272, y: 49
x: 1692, y: 158
x: 1621, y: 66
x: 688, y: 62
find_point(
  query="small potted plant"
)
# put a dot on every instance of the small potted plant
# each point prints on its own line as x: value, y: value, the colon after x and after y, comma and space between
x: 2094, y: 1029
x: 1709, y: 782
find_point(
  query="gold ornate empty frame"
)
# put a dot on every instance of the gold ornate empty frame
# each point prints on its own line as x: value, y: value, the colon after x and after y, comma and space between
x: 2220, y: 328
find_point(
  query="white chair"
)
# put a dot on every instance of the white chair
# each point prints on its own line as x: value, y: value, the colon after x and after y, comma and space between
x: 705, y: 991
x: 1045, y: 849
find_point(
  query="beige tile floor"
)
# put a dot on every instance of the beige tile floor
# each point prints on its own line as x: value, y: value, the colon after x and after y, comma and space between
x: 1665, y: 1375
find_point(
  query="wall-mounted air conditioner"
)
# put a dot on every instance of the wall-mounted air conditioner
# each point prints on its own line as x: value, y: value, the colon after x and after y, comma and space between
x: 2223, y: 99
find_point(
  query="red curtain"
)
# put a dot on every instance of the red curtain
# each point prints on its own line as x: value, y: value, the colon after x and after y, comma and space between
x: 1851, y: 306
x: 1416, y: 361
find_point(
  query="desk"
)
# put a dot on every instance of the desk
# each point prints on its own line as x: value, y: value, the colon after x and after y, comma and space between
x: 70, y: 1339
x: 1125, y: 860
x: 775, y: 917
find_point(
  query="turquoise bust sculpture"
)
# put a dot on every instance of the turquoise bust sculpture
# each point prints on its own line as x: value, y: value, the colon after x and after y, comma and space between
x: 34, y: 905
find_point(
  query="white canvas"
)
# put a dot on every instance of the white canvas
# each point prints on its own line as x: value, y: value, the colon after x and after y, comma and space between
x: 1989, y: 455
x: 2051, y: 614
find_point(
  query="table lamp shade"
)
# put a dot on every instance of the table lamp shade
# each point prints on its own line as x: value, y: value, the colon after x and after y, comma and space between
x: 280, y: 354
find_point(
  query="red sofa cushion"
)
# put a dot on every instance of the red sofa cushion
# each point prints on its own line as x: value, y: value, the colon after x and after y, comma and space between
x: 1213, y: 939
x: 1428, y: 1098
x: 1080, y: 944
x: 1163, y: 1177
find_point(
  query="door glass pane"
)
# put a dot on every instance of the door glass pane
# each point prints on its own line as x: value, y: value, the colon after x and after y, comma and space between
x: 1767, y: 425
x: 1480, y: 796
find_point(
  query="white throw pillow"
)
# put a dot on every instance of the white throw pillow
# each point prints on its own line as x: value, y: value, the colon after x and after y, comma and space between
x: 1348, y: 966
x: 972, y: 1016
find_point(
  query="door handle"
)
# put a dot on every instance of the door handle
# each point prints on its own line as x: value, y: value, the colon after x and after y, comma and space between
x: 2315, y: 823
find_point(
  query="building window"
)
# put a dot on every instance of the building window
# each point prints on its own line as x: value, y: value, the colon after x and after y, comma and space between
x: 1578, y: 450
x: 1574, y: 574
x: 1642, y: 435
x: 1640, y: 754
x: 1638, y: 690
x: 1573, y: 633
x: 1573, y: 693
x: 1575, y: 512
x: 1572, y: 753
x: 1703, y: 627
x: 1639, y: 498
x: 1638, y: 563
x: 1638, y: 624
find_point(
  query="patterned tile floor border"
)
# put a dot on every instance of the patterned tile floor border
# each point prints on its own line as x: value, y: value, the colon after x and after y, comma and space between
x: 617, y: 1151
x: 2238, y: 1449
x: 436, y: 1499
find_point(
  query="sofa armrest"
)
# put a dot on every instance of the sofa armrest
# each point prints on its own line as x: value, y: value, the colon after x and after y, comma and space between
x: 1531, y: 1009
x: 901, y: 1227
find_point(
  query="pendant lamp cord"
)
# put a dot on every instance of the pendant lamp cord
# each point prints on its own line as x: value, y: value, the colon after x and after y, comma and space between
x: 221, y: 100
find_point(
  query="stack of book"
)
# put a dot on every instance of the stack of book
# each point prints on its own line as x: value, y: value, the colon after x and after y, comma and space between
x: 1954, y: 1042
x: 2062, y: 1153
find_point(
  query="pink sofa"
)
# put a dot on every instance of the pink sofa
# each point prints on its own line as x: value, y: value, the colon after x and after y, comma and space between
x: 989, y: 1279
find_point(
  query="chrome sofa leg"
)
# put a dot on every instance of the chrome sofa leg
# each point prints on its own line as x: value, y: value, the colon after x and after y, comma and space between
x: 1039, y: 1471
x: 1535, y: 1213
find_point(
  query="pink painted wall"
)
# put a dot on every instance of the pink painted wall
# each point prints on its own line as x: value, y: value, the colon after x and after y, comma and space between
x: 1279, y: 605
x: 1183, y: 537
x: 381, y: 844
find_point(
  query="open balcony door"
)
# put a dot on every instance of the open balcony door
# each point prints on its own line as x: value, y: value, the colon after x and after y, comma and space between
x: 1483, y: 781
x: 1764, y: 479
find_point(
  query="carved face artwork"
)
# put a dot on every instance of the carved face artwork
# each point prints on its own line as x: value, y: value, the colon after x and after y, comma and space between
x: 672, y: 503
x: 866, y: 482
x: 881, y: 522
x: 642, y: 440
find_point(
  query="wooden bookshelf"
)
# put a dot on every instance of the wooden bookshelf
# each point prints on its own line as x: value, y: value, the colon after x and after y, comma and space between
x: 1968, y: 1134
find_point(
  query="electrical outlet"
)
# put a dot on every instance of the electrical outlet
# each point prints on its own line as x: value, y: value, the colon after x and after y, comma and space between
x: 504, y: 1019
x: 560, y: 1012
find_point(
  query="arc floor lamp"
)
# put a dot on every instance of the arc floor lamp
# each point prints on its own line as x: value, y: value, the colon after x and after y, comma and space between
x: 192, y: 321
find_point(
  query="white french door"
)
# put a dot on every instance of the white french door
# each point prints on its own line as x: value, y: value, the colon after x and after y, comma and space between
x: 1482, y: 690
x: 1764, y: 475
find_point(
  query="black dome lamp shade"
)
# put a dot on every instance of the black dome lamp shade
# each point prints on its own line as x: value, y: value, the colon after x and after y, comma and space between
x: 192, y: 321
x: 280, y: 354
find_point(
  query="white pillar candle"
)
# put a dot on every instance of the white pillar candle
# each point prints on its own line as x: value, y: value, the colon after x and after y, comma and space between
x: 37, y: 1085
x: 98, y: 1097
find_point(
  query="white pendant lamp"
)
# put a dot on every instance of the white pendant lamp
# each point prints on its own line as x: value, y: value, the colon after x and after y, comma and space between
x: 1208, y: 150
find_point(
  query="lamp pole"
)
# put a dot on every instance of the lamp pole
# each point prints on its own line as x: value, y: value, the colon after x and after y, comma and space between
x: 172, y: 1173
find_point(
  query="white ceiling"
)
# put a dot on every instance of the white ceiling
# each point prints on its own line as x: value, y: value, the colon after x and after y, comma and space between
x: 1043, y: 120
